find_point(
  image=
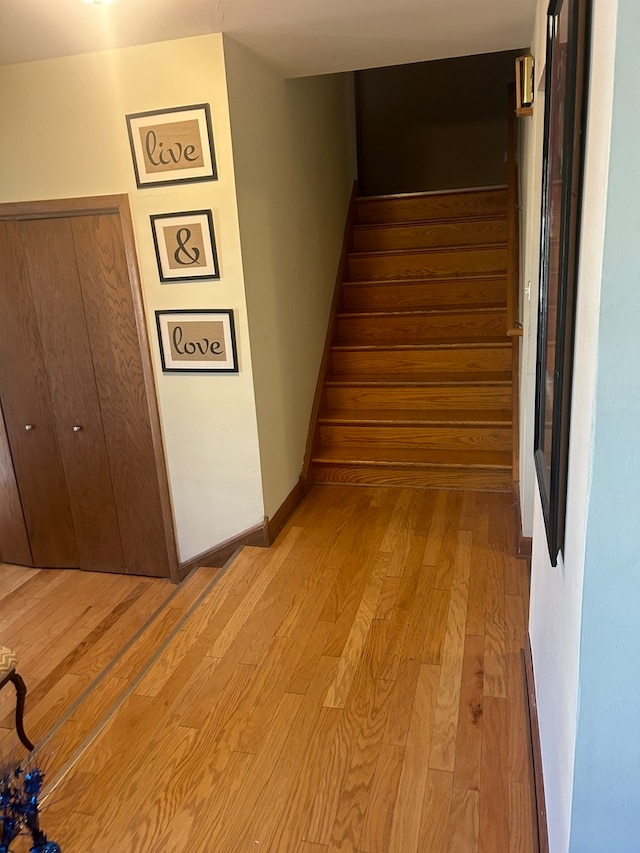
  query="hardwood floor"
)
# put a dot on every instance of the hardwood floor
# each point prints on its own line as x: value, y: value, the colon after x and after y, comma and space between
x: 67, y: 626
x: 356, y: 687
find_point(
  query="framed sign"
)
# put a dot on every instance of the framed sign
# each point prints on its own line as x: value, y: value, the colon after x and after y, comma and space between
x: 525, y: 67
x: 185, y: 246
x: 197, y: 341
x: 172, y: 146
x: 564, y: 132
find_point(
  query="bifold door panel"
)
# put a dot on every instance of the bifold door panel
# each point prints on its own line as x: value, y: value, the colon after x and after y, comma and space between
x: 73, y: 396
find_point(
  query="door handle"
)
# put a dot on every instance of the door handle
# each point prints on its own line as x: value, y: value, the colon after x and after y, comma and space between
x: 28, y: 427
x: 76, y: 428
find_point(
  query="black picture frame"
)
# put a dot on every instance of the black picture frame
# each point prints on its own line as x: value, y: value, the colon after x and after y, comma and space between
x: 185, y: 246
x: 191, y: 349
x: 564, y: 125
x: 181, y: 150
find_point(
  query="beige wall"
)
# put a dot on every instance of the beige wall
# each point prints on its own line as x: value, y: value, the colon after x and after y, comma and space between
x: 63, y: 135
x: 293, y: 144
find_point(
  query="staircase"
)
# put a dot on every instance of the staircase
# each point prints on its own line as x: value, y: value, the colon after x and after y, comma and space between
x: 417, y: 390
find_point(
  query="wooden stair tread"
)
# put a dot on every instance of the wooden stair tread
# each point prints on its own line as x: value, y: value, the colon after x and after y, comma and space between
x: 414, y: 379
x: 386, y: 342
x: 407, y: 207
x: 481, y: 343
x: 442, y: 306
x: 440, y: 220
x: 449, y: 279
x: 495, y: 189
x: 469, y: 479
x: 421, y: 312
x: 430, y: 233
x: 424, y: 294
x: 414, y: 417
x: 410, y: 457
x: 428, y: 250
x: 427, y: 263
x: 471, y: 340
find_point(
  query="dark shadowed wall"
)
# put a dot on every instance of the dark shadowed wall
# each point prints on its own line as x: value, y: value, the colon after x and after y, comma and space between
x: 434, y: 125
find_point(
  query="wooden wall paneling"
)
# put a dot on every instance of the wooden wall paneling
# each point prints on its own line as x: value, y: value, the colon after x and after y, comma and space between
x: 50, y: 256
x: 111, y: 322
x: 14, y: 539
x: 24, y: 390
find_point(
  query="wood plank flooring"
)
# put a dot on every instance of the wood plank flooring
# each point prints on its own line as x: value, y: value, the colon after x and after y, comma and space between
x: 356, y: 687
x: 67, y: 626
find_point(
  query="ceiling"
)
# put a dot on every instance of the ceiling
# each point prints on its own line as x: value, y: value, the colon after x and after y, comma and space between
x: 299, y: 37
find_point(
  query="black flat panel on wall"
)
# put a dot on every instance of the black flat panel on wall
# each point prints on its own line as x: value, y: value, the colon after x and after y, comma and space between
x: 434, y: 125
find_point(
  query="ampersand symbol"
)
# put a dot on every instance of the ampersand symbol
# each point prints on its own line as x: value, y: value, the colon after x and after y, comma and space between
x: 183, y: 254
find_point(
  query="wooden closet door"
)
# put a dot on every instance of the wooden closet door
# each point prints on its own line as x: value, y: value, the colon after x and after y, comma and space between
x: 50, y: 258
x: 28, y: 414
x: 75, y: 370
x: 115, y: 346
x: 14, y: 536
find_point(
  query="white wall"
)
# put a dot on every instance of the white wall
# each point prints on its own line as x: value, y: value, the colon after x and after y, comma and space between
x: 294, y: 151
x: 63, y: 134
x: 606, y: 794
x: 556, y: 593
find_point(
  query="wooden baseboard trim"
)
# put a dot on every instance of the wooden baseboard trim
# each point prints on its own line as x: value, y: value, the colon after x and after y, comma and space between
x: 536, y: 752
x: 216, y: 557
x: 275, y: 524
x: 524, y: 544
x: 306, y: 476
x: 262, y: 535
x: 525, y: 547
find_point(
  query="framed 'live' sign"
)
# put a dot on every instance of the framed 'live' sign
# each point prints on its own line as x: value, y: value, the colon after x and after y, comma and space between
x: 185, y: 246
x: 172, y: 146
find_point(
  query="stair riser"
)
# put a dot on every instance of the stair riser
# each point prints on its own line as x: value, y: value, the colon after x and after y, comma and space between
x: 354, y: 397
x: 360, y: 331
x: 364, y: 475
x: 416, y: 208
x: 424, y: 437
x: 404, y: 265
x: 426, y: 362
x: 400, y: 296
x: 376, y: 238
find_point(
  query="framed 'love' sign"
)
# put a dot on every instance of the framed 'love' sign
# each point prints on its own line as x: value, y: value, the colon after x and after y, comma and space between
x: 197, y: 341
x: 172, y: 146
